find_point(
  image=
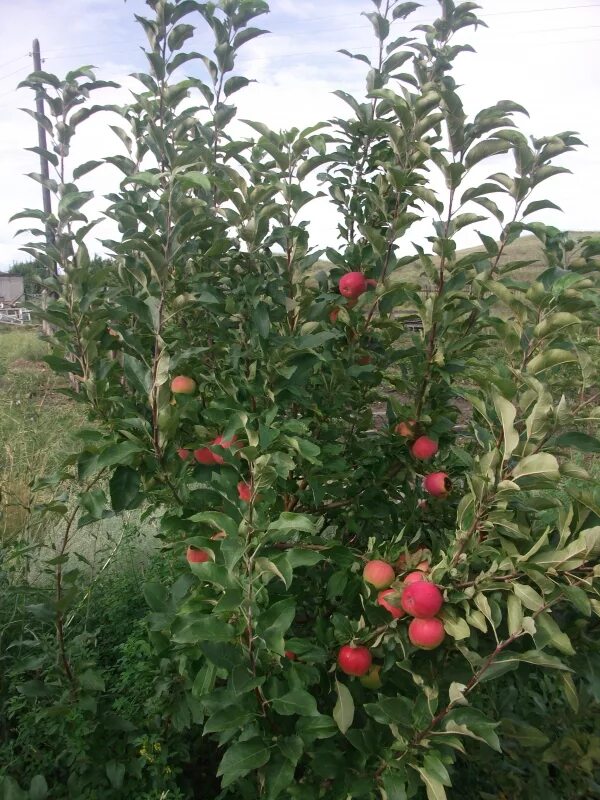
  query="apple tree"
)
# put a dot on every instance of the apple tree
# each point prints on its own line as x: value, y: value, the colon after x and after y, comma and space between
x: 364, y: 458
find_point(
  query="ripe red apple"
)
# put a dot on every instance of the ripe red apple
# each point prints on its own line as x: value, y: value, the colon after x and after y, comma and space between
x: 390, y: 600
x: 414, y: 577
x: 424, y: 448
x: 352, y: 285
x: 291, y: 655
x: 183, y: 453
x: 206, y: 456
x: 422, y: 599
x: 183, y: 385
x: 333, y: 315
x: 406, y: 429
x: 196, y: 556
x: 437, y: 484
x: 372, y: 680
x: 426, y: 633
x: 379, y: 574
x: 244, y: 491
x: 354, y: 660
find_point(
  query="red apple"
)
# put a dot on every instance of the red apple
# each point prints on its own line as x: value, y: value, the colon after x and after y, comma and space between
x: 352, y: 285
x: 437, y: 484
x: 372, y: 680
x: 183, y: 454
x: 379, y: 574
x: 354, y: 660
x: 390, y: 600
x: 183, y: 385
x: 426, y: 633
x: 291, y: 655
x: 424, y: 448
x: 196, y: 556
x: 244, y: 491
x: 422, y: 599
x: 406, y: 429
x: 333, y: 315
x: 414, y: 577
x: 206, y: 456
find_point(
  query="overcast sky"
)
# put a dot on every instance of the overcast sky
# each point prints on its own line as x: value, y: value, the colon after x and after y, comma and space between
x: 544, y: 54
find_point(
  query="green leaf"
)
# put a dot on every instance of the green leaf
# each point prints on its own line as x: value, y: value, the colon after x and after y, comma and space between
x: 83, y: 169
x: 242, y: 758
x: 235, y: 84
x: 515, y: 614
x: 227, y: 718
x: 124, y: 486
x: 288, y: 522
x: 296, y: 701
x: 491, y: 147
x: 394, y: 785
x: 473, y: 723
x: 115, y: 772
x: 550, y: 358
x: 194, y: 180
x: 91, y: 680
x: 343, y: 712
x: 528, y: 596
x: 584, y: 442
x: 279, y: 776
x: 208, y: 629
x: 38, y: 788
x: 118, y: 454
x: 543, y: 464
x: 156, y: 595
x: 435, y: 790
x: 507, y: 413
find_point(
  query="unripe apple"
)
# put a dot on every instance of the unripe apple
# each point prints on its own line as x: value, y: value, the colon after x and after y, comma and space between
x: 205, y: 456
x: 244, y: 491
x: 333, y: 315
x: 422, y: 599
x: 291, y: 655
x: 426, y: 633
x: 372, y: 680
x: 352, y: 285
x: 379, y: 574
x: 424, y: 448
x: 390, y: 600
x: 183, y: 385
x: 183, y: 454
x: 406, y: 429
x: 354, y: 660
x: 196, y: 556
x: 437, y: 484
x: 414, y: 577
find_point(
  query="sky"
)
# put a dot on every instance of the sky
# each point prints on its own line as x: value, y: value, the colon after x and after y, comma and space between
x: 544, y: 54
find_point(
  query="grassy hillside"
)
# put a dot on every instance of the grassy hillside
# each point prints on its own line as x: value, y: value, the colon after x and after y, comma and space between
x: 526, y: 248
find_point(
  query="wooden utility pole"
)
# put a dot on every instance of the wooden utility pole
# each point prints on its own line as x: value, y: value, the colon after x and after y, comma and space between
x: 39, y: 107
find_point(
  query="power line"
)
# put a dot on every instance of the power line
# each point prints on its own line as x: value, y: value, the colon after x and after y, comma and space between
x: 10, y: 74
x: 12, y: 61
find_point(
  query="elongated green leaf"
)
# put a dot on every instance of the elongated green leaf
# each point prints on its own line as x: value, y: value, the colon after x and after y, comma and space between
x: 297, y: 701
x: 242, y: 758
x: 343, y: 712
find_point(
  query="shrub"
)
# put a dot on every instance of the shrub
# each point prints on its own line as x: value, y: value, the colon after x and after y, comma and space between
x: 214, y: 278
